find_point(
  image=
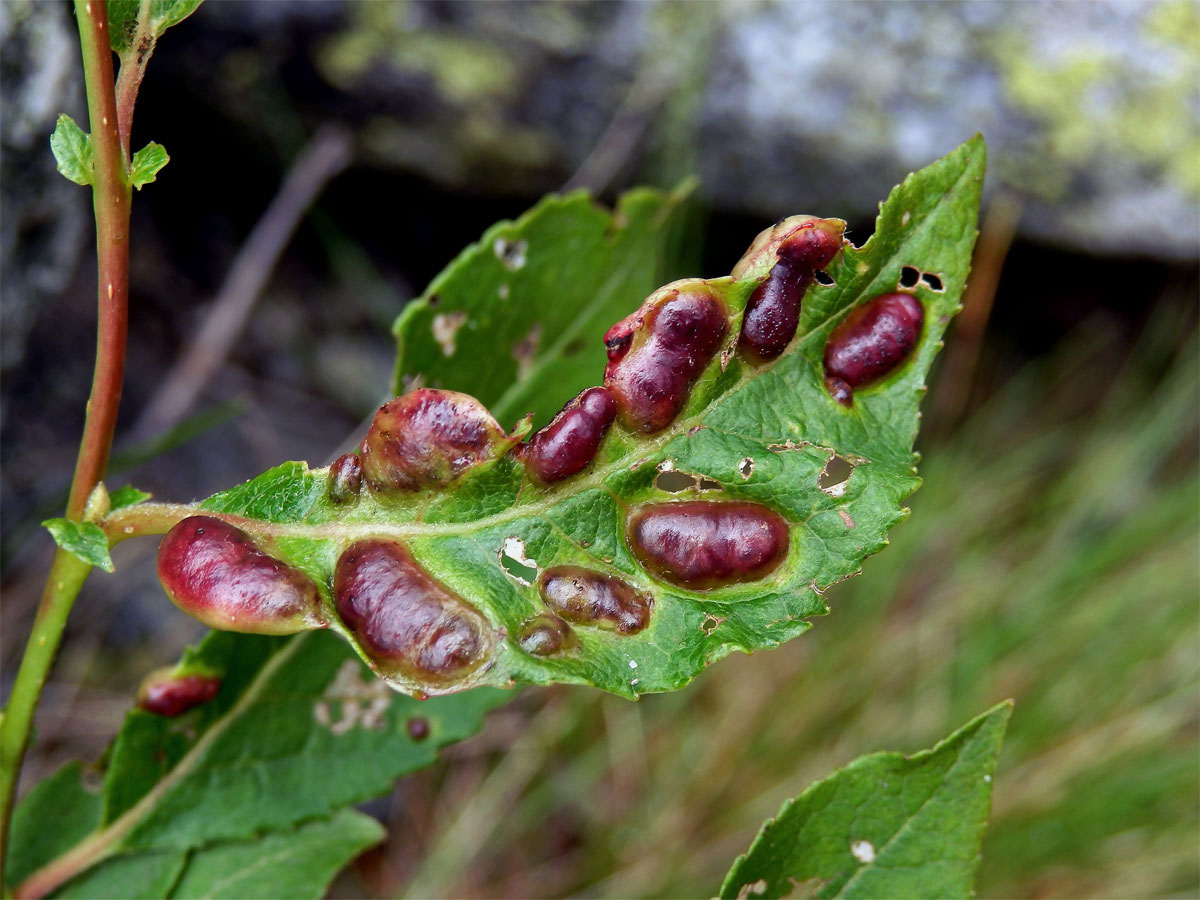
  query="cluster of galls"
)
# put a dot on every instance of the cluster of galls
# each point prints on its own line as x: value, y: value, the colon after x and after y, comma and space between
x: 423, y: 635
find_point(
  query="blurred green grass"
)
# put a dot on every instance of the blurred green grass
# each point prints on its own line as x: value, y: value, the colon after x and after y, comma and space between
x: 1052, y: 557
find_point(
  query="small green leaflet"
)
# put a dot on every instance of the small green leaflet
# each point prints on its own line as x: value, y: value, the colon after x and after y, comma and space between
x: 127, y: 19
x: 769, y: 434
x: 299, y: 730
x: 85, y: 539
x: 146, y: 164
x: 886, y: 825
x: 72, y: 150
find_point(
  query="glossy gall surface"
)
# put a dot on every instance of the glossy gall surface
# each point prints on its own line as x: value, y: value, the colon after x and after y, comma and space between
x: 703, y: 544
x: 427, y: 438
x: 657, y: 353
x: 345, y: 478
x: 214, y: 572
x: 566, y: 446
x: 407, y: 622
x: 545, y: 635
x: 773, y: 310
x: 169, y: 695
x: 592, y: 598
x: 873, y: 341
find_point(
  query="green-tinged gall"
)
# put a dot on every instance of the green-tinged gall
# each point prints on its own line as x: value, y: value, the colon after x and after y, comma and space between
x: 427, y: 438
x: 593, y: 598
x: 545, y: 635
x: 345, y: 478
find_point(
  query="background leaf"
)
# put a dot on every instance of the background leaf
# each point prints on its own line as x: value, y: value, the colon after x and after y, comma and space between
x: 86, y: 540
x: 886, y: 825
x: 297, y: 863
x: 72, y: 150
x: 299, y: 730
x: 516, y: 319
x: 765, y: 434
x: 147, y: 163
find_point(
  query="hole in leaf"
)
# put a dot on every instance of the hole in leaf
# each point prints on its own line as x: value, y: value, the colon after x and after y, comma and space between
x: 445, y: 330
x: 746, y: 467
x: 835, y: 475
x: 707, y: 484
x: 510, y: 253
x: 933, y: 282
x: 711, y: 624
x: 824, y: 277
x: 514, y: 561
x: 909, y: 277
x: 673, y: 482
x: 435, y: 300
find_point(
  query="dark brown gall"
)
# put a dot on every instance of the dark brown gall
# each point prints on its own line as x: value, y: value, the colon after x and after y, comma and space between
x: 410, y: 624
x: 657, y: 353
x: 545, y: 635
x: 214, y: 572
x: 773, y: 310
x: 570, y: 441
x: 872, y: 342
x: 167, y: 694
x: 705, y: 544
x: 592, y: 598
x: 427, y: 438
x: 345, y: 478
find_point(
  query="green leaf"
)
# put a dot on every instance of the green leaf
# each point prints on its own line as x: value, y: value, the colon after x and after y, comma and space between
x: 86, y: 540
x: 131, y: 22
x: 516, y: 319
x: 55, y: 815
x: 759, y: 433
x: 126, y: 495
x: 886, y: 825
x: 299, y: 730
x: 298, y: 863
x: 146, y: 164
x: 73, y: 151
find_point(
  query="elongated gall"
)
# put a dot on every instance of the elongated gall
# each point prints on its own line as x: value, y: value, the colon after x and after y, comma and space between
x: 407, y: 622
x: 566, y: 446
x: 586, y: 597
x: 215, y: 572
x: 872, y: 342
x: 703, y: 544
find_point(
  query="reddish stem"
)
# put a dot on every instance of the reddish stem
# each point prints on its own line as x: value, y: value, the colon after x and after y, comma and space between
x: 111, y: 195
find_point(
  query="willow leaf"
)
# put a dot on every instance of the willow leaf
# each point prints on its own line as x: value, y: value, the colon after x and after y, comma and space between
x: 770, y: 433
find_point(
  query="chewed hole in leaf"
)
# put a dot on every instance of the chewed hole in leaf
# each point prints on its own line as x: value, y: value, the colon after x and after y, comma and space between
x: 445, y: 330
x: 824, y: 278
x: 514, y: 561
x: 835, y: 476
x: 673, y: 482
x: 434, y: 301
x: 707, y: 484
x: 510, y: 253
x: 746, y: 466
x: 711, y: 624
x: 909, y: 276
x: 933, y: 282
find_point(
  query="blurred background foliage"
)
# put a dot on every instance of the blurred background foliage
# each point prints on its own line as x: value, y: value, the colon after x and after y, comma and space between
x: 1053, y: 553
